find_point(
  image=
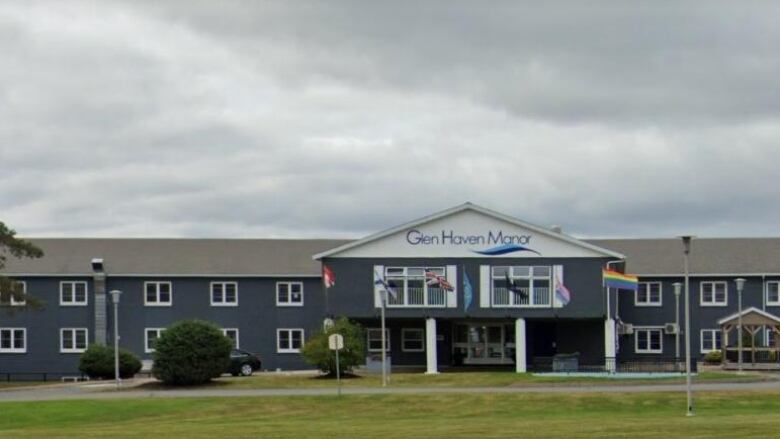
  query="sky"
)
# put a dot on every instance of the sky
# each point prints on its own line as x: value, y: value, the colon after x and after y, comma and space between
x: 339, y: 119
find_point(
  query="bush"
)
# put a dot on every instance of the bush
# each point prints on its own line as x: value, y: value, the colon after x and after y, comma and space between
x: 98, y: 362
x: 316, y: 352
x: 191, y: 352
x: 713, y: 357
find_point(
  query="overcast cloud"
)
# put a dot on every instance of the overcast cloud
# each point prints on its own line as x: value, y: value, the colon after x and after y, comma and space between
x: 338, y: 119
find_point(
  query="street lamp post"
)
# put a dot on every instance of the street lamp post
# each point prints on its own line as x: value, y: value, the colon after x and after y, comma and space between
x: 115, y: 300
x: 688, y: 390
x: 677, y: 290
x: 740, y: 286
x: 383, y: 295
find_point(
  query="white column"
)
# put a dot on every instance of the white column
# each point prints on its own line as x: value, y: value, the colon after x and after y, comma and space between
x: 430, y: 346
x: 609, y: 345
x: 520, y: 361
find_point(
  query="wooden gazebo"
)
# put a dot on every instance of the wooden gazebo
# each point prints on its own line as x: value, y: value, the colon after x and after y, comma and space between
x: 754, y: 321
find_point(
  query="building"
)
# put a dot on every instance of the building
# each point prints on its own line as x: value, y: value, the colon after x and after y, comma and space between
x: 470, y: 286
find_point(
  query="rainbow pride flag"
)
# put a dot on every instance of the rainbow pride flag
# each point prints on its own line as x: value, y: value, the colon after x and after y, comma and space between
x: 613, y: 279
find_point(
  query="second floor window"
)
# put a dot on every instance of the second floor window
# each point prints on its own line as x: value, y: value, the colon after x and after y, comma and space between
x: 773, y: 293
x: 714, y: 294
x: 158, y: 294
x: 289, y: 293
x: 648, y: 294
x: 521, y: 286
x: 412, y: 288
x: 73, y: 293
x: 7, y: 298
x: 224, y: 294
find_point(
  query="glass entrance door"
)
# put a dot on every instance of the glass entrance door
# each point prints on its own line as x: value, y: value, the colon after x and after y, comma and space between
x: 483, y: 344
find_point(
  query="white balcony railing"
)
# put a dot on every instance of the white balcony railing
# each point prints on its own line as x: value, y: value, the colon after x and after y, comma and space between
x: 502, y: 297
x: 418, y: 297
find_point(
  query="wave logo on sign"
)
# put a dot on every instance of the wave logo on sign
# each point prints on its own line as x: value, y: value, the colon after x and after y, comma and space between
x: 505, y: 249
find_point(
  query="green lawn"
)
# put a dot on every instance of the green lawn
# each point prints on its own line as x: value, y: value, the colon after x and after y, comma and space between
x: 755, y: 414
x: 454, y: 379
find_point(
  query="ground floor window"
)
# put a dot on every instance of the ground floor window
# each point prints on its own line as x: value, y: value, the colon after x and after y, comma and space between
x: 289, y: 340
x: 710, y: 340
x: 232, y: 334
x: 648, y: 341
x: 73, y: 340
x: 13, y: 340
x: 374, y: 340
x: 150, y: 338
x: 412, y: 340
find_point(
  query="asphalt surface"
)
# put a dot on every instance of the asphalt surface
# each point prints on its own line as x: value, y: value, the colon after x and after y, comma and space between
x: 107, y: 391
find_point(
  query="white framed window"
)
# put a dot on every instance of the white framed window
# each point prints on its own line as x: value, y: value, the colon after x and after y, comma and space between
x: 150, y: 338
x: 13, y: 302
x: 158, y: 294
x: 73, y: 340
x: 289, y: 294
x: 773, y: 293
x: 73, y: 293
x: 224, y: 294
x: 713, y: 293
x: 232, y: 333
x: 289, y: 340
x: 13, y: 340
x: 521, y: 286
x: 648, y: 340
x: 374, y: 339
x: 648, y: 294
x: 710, y: 340
x: 412, y: 289
x: 412, y: 340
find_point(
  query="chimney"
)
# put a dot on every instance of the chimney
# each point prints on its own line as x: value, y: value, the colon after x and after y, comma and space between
x: 99, y: 282
x: 556, y: 229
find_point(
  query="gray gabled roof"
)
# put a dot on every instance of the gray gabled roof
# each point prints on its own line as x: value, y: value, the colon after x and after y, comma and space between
x: 255, y: 257
x: 708, y: 255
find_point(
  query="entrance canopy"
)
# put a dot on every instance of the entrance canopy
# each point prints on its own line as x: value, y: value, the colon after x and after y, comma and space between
x: 751, y: 316
x: 753, y: 322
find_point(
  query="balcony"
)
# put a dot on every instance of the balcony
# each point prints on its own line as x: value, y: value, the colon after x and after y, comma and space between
x: 418, y: 298
x: 539, y: 297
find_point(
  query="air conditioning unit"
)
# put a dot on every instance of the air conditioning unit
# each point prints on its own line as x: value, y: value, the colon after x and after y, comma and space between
x: 671, y: 328
x: 625, y: 328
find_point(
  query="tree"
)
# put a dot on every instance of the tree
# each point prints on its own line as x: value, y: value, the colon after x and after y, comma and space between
x: 98, y: 362
x: 191, y: 352
x: 11, y: 290
x: 317, y: 353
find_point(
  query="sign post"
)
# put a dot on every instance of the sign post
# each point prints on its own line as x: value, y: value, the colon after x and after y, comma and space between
x: 336, y: 343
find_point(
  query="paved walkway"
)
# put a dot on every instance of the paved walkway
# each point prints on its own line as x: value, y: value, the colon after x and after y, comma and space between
x: 105, y: 391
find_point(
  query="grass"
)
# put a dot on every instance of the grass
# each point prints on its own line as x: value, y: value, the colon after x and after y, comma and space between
x: 454, y: 379
x: 733, y: 414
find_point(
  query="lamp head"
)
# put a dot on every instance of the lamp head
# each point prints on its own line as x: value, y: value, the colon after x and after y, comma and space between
x: 686, y: 239
x: 677, y: 288
x: 740, y: 283
x: 115, y: 296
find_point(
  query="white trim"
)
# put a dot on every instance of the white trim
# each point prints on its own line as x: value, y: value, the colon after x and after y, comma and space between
x: 158, y: 283
x: 73, y: 331
x: 379, y: 330
x: 73, y: 293
x: 460, y: 208
x: 13, y: 350
x: 404, y: 339
x: 725, y: 302
x: 649, y: 303
x: 766, y: 293
x: 289, y: 301
x: 288, y: 349
x: 146, y: 338
x: 224, y: 332
x: 649, y: 350
x: 715, y: 333
x: 224, y: 296
x: 748, y: 311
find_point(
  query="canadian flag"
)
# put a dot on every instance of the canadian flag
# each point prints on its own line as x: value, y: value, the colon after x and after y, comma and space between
x: 328, y: 278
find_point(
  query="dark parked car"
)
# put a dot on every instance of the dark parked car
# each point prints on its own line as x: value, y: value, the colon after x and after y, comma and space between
x: 243, y: 363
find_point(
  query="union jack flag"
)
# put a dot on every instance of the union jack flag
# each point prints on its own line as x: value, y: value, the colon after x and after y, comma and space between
x: 435, y: 280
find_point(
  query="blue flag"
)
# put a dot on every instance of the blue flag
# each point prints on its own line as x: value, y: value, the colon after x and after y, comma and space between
x: 468, y: 291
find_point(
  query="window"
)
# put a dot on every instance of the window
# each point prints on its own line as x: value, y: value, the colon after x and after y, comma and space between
x: 231, y: 333
x: 521, y: 286
x: 710, y: 340
x: 648, y: 294
x: 773, y: 293
x: 13, y: 340
x: 411, y: 288
x: 224, y: 294
x: 73, y: 293
x: 412, y: 340
x: 150, y: 337
x: 374, y: 342
x: 8, y: 299
x: 289, y: 340
x: 157, y: 294
x: 714, y: 294
x: 289, y: 293
x: 648, y: 341
x: 769, y: 338
x: 73, y: 340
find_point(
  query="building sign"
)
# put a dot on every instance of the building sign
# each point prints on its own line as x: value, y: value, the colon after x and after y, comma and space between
x: 491, y: 243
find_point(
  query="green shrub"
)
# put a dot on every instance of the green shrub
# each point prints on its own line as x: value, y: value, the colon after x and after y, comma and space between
x: 316, y: 352
x: 713, y: 357
x: 191, y: 352
x: 98, y: 362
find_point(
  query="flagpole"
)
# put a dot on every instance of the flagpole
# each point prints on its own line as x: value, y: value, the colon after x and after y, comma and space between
x: 384, y: 341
